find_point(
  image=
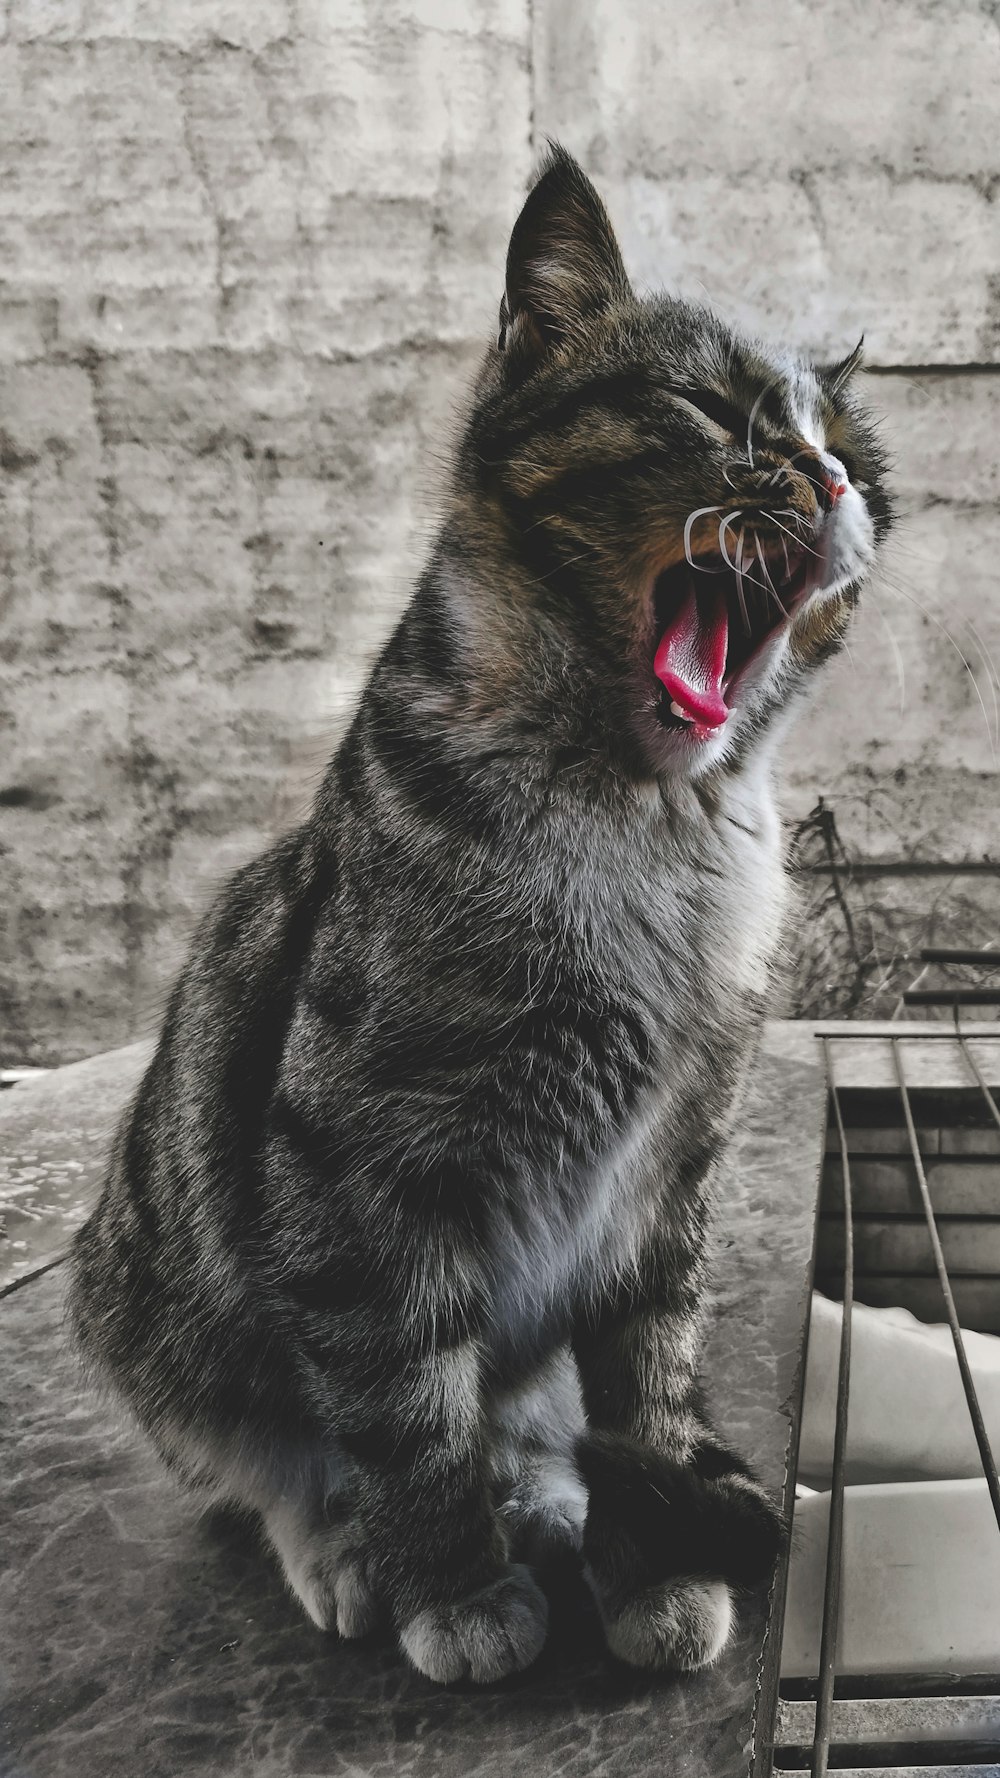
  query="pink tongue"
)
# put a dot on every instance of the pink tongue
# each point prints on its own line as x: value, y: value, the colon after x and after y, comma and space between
x: 691, y: 658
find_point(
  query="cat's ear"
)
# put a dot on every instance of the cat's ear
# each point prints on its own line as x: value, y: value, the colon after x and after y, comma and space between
x: 835, y: 376
x: 564, y: 265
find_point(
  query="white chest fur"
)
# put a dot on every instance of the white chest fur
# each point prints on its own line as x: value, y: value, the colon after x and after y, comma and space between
x: 683, y: 921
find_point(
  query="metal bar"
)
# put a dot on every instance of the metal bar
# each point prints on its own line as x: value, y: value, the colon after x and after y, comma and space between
x: 769, y: 1681
x: 975, y: 1412
x: 835, y: 1535
x: 906, y: 867
x: 875, y: 1755
x: 951, y: 996
x: 866, y: 1030
x: 29, y: 1277
x: 922, y: 1771
x: 948, y: 1717
x: 945, y: 954
x: 858, y: 1686
x: 976, y: 1070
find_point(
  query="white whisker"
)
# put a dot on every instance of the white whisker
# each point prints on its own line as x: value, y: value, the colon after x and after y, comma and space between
x: 942, y: 626
x: 990, y: 665
x: 794, y: 535
x: 791, y: 512
x: 739, y: 579
x: 753, y: 415
x: 900, y: 668
x: 772, y: 589
x: 748, y: 563
x: 786, y: 463
x: 724, y: 525
x: 689, y: 524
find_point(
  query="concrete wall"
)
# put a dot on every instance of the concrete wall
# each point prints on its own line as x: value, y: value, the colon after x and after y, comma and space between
x: 248, y: 252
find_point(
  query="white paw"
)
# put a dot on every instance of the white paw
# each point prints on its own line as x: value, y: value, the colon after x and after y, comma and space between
x: 547, y: 1511
x: 338, y: 1596
x: 682, y: 1624
x: 484, y: 1637
x: 356, y: 1605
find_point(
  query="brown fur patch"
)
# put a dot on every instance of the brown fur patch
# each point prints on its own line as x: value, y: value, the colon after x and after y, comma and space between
x: 820, y: 628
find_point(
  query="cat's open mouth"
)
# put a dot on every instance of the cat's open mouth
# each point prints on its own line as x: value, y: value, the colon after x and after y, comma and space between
x: 714, y: 620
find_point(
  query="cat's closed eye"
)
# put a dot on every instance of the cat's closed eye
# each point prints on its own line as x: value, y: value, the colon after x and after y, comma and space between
x: 715, y: 407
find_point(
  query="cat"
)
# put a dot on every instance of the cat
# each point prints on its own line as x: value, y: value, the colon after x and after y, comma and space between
x: 402, y: 1244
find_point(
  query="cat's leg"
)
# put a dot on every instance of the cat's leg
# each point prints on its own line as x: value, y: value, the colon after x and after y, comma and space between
x: 676, y: 1523
x: 307, y: 1504
x: 537, y: 1423
x: 437, y: 1552
x: 321, y: 1544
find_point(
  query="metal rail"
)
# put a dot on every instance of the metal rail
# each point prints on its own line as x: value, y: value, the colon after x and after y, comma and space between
x: 951, y: 954
x: 835, y: 1535
x: 905, y: 867
x: 951, y: 997
x: 954, y: 997
x: 975, y: 1069
x: 968, y: 1384
x: 914, y: 1750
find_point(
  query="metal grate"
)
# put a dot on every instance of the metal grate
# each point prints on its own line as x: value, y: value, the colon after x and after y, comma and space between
x: 952, y: 994
x: 863, y: 1723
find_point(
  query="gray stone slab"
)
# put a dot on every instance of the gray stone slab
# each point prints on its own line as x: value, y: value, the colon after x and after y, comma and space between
x: 964, y: 1771
x: 135, y: 1637
x: 55, y: 1132
x: 867, y: 1063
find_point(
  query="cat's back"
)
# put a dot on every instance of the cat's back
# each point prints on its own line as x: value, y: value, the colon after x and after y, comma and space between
x: 180, y: 1202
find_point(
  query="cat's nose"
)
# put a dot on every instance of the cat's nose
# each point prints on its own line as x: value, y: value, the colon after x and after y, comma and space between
x: 828, y: 477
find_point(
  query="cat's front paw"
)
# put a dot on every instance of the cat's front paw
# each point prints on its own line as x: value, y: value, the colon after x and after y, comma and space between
x: 545, y: 1511
x: 666, y: 1546
x: 485, y: 1637
x: 337, y: 1592
x: 327, y: 1562
x: 681, y: 1625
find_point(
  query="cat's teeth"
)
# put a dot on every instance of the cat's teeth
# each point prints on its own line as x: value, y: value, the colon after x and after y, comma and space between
x: 675, y: 710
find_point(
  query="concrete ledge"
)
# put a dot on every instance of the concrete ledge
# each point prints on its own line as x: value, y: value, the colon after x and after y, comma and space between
x: 135, y: 1637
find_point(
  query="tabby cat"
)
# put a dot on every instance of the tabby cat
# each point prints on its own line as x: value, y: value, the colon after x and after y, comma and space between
x: 403, y: 1241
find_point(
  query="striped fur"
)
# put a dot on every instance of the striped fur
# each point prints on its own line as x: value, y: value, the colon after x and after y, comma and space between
x: 402, y: 1244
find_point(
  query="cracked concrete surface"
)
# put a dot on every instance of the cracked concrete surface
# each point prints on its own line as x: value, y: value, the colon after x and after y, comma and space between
x: 247, y: 257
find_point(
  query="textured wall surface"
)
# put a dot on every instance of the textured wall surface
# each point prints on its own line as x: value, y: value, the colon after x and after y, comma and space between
x: 248, y: 253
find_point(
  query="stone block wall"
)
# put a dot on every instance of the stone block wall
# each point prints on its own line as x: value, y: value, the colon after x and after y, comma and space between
x: 248, y: 255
